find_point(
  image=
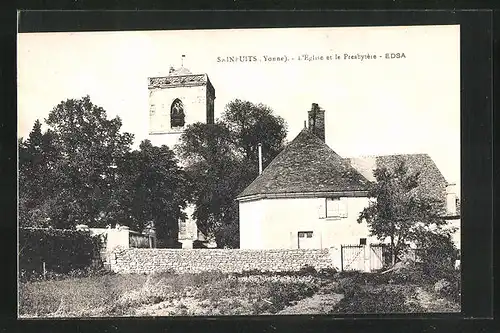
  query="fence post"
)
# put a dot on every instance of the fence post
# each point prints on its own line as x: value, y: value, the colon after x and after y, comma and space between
x: 341, y: 258
x: 44, y: 271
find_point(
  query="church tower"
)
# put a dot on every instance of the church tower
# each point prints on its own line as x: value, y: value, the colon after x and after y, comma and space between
x: 175, y: 101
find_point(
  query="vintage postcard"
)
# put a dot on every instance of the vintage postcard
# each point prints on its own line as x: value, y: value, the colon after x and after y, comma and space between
x: 239, y: 172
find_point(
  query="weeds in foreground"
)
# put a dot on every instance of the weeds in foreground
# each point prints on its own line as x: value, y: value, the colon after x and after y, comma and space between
x: 75, y: 296
x: 387, y: 299
x: 122, y: 295
x: 213, y: 293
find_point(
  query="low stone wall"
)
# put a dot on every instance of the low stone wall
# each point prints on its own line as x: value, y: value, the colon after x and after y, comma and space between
x: 225, y: 260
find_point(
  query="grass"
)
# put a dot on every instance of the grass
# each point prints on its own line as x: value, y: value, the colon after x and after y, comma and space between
x: 215, y: 293
x: 76, y: 296
x: 122, y: 295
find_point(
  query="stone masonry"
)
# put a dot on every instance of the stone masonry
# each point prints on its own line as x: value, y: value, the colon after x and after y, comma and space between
x: 135, y: 260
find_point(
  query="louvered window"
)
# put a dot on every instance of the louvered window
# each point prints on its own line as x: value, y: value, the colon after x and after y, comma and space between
x: 177, y: 116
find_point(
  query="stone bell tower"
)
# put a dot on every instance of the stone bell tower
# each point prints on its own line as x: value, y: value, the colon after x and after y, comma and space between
x: 177, y: 100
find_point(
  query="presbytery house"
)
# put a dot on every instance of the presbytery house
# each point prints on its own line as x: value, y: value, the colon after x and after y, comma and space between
x: 310, y: 197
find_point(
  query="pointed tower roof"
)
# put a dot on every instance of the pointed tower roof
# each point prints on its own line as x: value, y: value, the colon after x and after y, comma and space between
x: 179, y: 71
x: 307, y: 166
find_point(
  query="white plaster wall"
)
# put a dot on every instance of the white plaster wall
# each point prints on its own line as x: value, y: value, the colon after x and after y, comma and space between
x: 347, y: 231
x: 251, y: 216
x: 280, y: 220
x: 284, y: 218
x: 115, y: 237
x: 188, y: 229
x: 455, y: 235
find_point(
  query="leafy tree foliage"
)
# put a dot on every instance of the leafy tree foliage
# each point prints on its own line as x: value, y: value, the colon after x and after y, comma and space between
x: 214, y: 170
x: 82, y: 171
x: 89, y: 145
x: 436, y: 250
x: 251, y: 124
x: 38, y: 184
x: 399, y: 213
x: 222, y: 159
x: 151, y: 189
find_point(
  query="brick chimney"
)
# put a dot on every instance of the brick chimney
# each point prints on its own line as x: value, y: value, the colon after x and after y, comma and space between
x: 317, y: 121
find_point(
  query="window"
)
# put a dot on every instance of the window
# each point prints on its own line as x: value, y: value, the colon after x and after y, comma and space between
x: 305, y: 234
x: 152, y: 109
x: 177, y: 116
x: 362, y: 241
x: 336, y: 207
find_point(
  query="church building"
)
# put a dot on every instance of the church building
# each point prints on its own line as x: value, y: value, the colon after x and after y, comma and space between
x: 177, y: 100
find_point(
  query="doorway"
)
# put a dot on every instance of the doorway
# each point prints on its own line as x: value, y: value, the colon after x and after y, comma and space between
x: 305, y: 240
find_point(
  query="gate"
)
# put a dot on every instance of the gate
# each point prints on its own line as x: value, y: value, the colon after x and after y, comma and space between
x: 376, y: 256
x: 363, y: 257
x: 352, y: 257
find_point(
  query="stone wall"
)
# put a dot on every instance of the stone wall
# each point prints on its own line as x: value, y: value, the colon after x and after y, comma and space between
x: 224, y: 260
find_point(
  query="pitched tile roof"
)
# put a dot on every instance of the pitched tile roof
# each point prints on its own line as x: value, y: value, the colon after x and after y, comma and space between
x: 432, y: 181
x: 307, y: 165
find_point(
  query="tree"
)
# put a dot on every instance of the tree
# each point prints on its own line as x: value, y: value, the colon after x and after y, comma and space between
x: 214, y: 170
x: 151, y: 189
x: 37, y: 176
x: 400, y: 213
x: 81, y: 151
x: 222, y: 159
x: 251, y: 124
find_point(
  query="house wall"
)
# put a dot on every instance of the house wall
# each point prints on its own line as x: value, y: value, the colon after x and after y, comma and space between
x: 275, y: 223
x: 251, y: 219
x: 115, y: 237
x: 188, y: 230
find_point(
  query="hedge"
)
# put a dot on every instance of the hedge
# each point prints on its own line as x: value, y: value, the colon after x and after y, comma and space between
x: 62, y: 250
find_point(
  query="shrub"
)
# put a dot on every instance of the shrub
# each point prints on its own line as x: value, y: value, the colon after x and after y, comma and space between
x: 358, y: 299
x: 437, y: 254
x: 62, y: 251
x: 327, y: 272
x: 307, y: 270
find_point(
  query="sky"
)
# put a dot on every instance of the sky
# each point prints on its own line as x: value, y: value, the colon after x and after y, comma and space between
x: 379, y: 106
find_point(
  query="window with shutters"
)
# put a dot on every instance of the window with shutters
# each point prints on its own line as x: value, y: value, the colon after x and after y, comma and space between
x: 305, y: 234
x: 336, y: 208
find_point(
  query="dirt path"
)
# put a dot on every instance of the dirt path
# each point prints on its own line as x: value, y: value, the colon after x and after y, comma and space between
x: 323, y: 302
x: 317, y: 304
x: 320, y: 303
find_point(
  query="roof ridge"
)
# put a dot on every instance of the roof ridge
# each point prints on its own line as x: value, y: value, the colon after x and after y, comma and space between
x: 385, y: 155
x: 306, y: 164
